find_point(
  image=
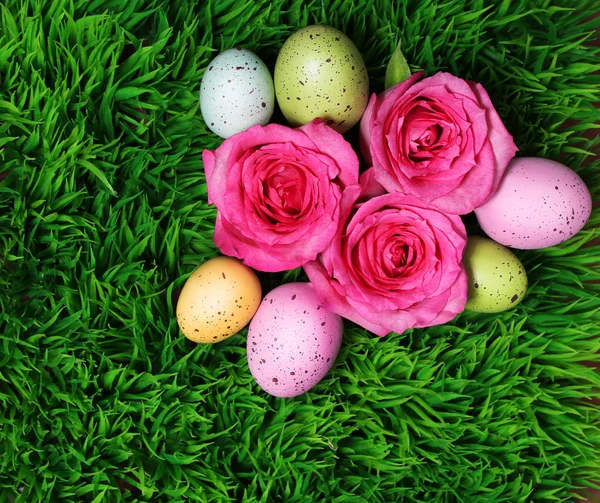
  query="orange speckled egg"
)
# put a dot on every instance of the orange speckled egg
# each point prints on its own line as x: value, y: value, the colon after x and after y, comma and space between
x: 218, y: 300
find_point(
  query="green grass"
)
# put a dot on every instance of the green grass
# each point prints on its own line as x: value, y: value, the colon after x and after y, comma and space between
x: 103, y: 214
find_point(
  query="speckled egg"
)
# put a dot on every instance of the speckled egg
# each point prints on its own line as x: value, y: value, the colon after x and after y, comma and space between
x: 292, y: 341
x: 321, y: 74
x: 236, y: 93
x: 539, y: 203
x: 218, y: 300
x: 497, y: 279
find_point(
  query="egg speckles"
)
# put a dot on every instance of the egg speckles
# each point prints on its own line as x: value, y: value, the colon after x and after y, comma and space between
x: 236, y: 93
x: 539, y: 203
x: 497, y: 279
x: 321, y: 74
x: 292, y: 341
x: 218, y: 300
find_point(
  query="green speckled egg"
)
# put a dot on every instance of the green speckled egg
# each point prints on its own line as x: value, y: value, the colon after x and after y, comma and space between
x: 497, y: 279
x: 320, y: 74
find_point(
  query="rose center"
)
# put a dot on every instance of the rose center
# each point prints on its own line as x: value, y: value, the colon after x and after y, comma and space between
x: 429, y: 137
x: 402, y: 255
x: 283, y: 190
x: 426, y: 132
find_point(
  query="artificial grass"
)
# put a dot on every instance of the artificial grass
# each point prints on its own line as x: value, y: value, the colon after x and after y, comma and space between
x: 103, y: 214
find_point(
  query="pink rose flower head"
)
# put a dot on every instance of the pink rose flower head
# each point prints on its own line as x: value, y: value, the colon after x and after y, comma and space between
x: 278, y: 191
x: 439, y: 139
x: 395, y: 262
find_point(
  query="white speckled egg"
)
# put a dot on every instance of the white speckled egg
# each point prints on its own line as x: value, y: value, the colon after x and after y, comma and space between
x: 292, y: 341
x: 320, y: 73
x: 539, y: 203
x: 236, y: 93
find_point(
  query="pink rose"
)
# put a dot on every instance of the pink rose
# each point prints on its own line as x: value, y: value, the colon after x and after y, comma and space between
x: 439, y: 139
x: 278, y: 191
x: 395, y: 263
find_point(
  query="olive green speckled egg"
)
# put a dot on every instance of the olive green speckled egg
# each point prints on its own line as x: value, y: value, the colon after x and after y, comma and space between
x: 497, y: 279
x: 320, y: 74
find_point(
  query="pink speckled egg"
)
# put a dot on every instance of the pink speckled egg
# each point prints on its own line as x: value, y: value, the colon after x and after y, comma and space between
x: 292, y: 341
x: 539, y: 203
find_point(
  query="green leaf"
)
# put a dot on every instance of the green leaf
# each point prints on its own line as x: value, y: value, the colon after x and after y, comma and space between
x: 100, y: 497
x: 7, y: 139
x: 397, y: 69
x: 98, y: 174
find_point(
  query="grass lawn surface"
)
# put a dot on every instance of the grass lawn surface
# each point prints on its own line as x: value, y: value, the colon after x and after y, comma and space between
x: 104, y: 214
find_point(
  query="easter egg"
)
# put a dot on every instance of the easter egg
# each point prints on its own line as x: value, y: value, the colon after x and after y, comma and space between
x: 292, y: 341
x: 496, y: 278
x: 320, y: 73
x: 218, y: 300
x: 539, y: 203
x: 236, y: 93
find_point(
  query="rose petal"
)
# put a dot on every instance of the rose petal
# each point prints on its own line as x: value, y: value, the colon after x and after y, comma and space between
x: 331, y: 255
x: 268, y: 259
x: 474, y: 187
x: 370, y: 187
x: 334, y: 302
x: 208, y: 160
x: 366, y: 124
x: 333, y: 144
x: 457, y: 299
x: 377, y: 136
x: 501, y: 140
